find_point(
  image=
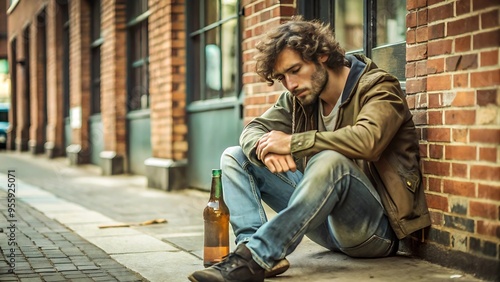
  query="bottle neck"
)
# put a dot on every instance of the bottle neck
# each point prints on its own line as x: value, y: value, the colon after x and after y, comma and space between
x: 216, y: 190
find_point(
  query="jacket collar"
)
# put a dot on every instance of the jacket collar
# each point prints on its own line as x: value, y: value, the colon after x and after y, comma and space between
x: 357, y: 69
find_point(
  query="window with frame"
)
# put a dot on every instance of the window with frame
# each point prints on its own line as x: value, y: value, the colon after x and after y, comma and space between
x: 214, y: 42
x: 95, y: 51
x: 138, y: 55
x: 376, y: 28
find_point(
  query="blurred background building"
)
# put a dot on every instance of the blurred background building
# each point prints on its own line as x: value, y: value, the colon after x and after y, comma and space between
x: 161, y: 87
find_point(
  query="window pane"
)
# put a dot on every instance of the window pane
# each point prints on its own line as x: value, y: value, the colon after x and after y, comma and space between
x: 212, y: 64
x: 229, y: 57
x: 228, y: 8
x: 214, y: 69
x: 349, y: 24
x: 391, y: 23
x: 136, y: 43
x: 144, y: 40
x: 96, y: 20
x: 96, y: 80
x: 137, y: 89
x: 211, y: 11
x: 136, y: 8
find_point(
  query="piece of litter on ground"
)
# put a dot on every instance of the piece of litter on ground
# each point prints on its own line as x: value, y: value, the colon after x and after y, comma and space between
x: 456, y: 276
x: 147, y: 222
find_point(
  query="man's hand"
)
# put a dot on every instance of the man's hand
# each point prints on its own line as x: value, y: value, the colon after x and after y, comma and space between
x: 273, y: 142
x: 279, y: 163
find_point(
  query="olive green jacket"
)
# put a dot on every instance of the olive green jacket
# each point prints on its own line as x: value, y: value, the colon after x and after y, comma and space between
x: 374, y: 128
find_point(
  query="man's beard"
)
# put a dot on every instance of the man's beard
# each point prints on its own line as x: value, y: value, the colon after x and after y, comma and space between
x: 319, y: 79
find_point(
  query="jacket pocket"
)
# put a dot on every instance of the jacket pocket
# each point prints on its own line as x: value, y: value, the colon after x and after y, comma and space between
x: 411, y: 180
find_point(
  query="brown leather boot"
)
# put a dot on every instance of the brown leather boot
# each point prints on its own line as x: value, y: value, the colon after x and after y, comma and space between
x: 238, y: 266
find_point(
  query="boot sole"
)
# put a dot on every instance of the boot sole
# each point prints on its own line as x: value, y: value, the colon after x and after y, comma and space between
x: 278, y: 269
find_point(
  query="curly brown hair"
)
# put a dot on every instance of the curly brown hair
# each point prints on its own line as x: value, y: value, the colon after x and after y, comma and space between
x: 311, y: 39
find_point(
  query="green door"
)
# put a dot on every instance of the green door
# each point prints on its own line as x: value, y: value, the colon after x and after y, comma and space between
x: 213, y: 85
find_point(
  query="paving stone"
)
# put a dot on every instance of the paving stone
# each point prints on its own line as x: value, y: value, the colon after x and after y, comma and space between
x: 65, y: 267
x: 48, y: 251
x: 30, y: 279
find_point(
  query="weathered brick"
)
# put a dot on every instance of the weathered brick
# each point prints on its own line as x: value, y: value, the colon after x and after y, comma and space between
x: 488, y: 96
x: 464, y: 99
x: 460, y: 135
x: 440, y: 12
x: 458, y: 205
x: 438, y: 134
x: 416, y: 85
x: 410, y: 70
x: 411, y: 37
x: 483, y: 247
x: 435, y: 117
x: 483, y: 4
x: 486, y: 39
x: 436, y: 151
x: 489, y: 191
x: 435, y: 31
x: 436, y: 168
x: 460, y: 152
x: 463, y: 44
x: 461, y: 62
x: 437, y: 202
x: 411, y: 19
x: 485, y: 135
x: 462, y: 7
x: 422, y: 34
x: 438, y: 82
x: 485, y: 172
x: 459, y: 170
x: 435, y: 184
x: 484, y: 210
x: 488, y: 154
x: 416, y: 52
x: 489, y: 58
x: 489, y: 228
x: 485, y: 78
x: 459, y: 223
x: 421, y: 17
x: 459, y: 117
x: 435, y: 101
x: 441, y: 237
x: 462, y: 26
x: 439, y: 47
x: 460, y: 80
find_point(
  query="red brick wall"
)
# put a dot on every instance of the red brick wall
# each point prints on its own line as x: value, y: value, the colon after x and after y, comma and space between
x: 37, y: 82
x: 453, y: 79
x: 167, y: 79
x: 113, y: 76
x: 55, y: 123
x: 79, y: 14
x: 260, y: 16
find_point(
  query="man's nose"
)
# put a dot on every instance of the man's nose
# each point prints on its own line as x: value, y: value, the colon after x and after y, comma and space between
x: 291, y: 83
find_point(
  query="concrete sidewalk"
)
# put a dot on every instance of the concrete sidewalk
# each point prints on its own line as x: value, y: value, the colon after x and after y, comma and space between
x: 78, y: 200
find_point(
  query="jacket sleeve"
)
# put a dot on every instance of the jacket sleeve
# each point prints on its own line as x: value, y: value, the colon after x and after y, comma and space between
x: 278, y: 117
x: 382, y: 111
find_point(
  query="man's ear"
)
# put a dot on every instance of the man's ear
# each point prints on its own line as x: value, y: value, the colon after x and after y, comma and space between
x: 323, y: 58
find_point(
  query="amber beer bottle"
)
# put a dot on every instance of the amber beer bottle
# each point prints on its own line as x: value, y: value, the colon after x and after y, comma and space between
x: 216, y: 217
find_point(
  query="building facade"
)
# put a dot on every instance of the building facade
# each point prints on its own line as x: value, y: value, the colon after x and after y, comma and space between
x: 161, y: 87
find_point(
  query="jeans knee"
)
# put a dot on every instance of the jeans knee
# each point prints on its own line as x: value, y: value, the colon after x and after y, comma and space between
x: 230, y: 154
x: 326, y: 161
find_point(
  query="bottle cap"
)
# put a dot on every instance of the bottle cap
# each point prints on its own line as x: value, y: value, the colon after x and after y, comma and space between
x: 216, y: 172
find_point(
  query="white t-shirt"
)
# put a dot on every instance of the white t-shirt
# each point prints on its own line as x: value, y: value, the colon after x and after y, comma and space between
x: 327, y: 123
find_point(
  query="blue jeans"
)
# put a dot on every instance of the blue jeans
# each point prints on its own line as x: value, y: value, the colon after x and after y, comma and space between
x: 332, y: 202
